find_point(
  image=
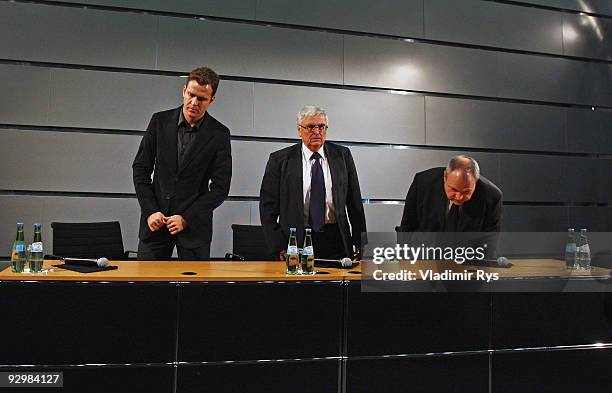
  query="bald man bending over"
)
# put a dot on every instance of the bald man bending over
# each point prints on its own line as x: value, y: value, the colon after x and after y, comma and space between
x: 452, y: 199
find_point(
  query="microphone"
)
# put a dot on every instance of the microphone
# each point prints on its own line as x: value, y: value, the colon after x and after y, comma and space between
x: 504, y: 262
x: 234, y: 257
x: 344, y: 263
x: 100, y: 262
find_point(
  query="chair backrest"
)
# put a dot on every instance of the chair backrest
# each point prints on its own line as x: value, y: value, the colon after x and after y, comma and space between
x: 88, y: 240
x: 250, y: 243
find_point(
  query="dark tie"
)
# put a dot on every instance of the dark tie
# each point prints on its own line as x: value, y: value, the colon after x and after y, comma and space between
x: 452, y: 219
x: 317, y: 195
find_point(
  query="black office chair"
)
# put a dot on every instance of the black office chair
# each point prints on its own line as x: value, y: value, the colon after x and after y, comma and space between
x: 89, y: 240
x: 249, y: 244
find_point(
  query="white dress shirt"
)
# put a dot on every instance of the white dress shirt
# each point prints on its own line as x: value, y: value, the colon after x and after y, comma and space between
x: 330, y: 211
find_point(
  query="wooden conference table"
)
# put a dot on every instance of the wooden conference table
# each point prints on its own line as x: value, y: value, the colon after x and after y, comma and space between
x: 248, y: 327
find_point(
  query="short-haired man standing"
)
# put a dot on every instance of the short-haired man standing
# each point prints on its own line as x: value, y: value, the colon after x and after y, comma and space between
x: 452, y: 199
x: 312, y: 184
x: 189, y: 153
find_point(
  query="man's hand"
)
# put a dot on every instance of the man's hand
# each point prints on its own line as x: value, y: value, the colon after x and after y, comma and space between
x: 156, y: 221
x: 176, y: 224
x: 282, y: 255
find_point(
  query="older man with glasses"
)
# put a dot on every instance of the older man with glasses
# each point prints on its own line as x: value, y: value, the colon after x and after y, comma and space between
x: 313, y: 184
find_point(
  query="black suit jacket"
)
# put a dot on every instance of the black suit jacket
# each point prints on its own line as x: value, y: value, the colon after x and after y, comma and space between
x: 426, y: 203
x: 282, y: 198
x: 185, y: 190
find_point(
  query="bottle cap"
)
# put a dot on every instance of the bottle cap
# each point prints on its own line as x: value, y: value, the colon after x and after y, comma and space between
x: 37, y: 225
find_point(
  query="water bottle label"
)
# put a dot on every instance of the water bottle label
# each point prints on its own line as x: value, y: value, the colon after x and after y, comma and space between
x: 292, y: 250
x: 570, y: 248
x: 585, y: 248
x: 308, y: 251
x: 37, y: 247
x: 20, y: 247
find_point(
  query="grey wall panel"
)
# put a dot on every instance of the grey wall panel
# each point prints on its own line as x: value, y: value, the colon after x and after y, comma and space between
x: 24, y: 96
x: 233, y: 106
x: 493, y: 24
x: 499, y: 125
x: 384, y: 173
x: 103, y: 163
x: 250, y: 159
x: 587, y: 36
x: 387, y: 173
x: 414, y: 66
x: 606, y: 133
x: 255, y: 218
x: 532, y: 178
x: 45, y: 210
x: 588, y: 217
x: 396, y: 64
x: 594, y: 6
x: 79, y: 36
x: 244, y: 9
x: 394, y: 17
x: 534, y: 219
x: 246, y: 50
x: 67, y: 209
x: 67, y: 161
x: 383, y: 217
x: 230, y: 212
x: 582, y: 179
x: 606, y: 85
x: 17, y: 208
x: 391, y: 118
x: 19, y: 42
x: 549, y: 79
x: 606, y: 218
x: 489, y: 164
x: 585, y: 131
x: 605, y: 196
x: 106, y: 100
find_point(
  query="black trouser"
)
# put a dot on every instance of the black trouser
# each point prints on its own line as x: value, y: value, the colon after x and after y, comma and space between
x: 161, y: 250
x: 328, y: 243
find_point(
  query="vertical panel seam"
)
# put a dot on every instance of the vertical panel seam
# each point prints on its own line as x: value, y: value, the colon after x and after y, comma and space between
x: 423, y: 19
x: 562, y: 33
x: 425, y: 120
x: 253, y: 107
x: 157, y: 39
x: 566, y: 129
x: 343, y: 59
x: 50, y: 79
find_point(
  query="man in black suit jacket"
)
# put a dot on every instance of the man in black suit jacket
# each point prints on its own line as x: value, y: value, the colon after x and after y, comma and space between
x: 454, y: 199
x: 189, y: 152
x: 312, y: 184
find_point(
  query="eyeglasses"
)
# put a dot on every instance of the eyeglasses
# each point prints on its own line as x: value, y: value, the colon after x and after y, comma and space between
x: 313, y: 127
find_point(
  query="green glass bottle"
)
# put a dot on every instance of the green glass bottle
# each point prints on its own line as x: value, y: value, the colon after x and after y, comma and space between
x: 292, y: 253
x: 308, y: 254
x: 18, y: 253
x: 37, y: 253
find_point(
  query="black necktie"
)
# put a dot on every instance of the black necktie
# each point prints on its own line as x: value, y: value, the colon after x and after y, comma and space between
x: 317, y: 195
x: 452, y: 219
